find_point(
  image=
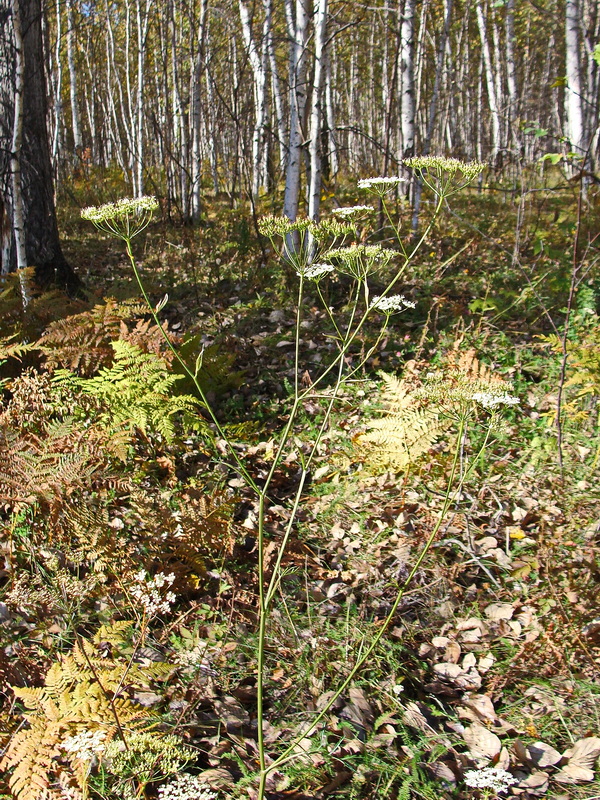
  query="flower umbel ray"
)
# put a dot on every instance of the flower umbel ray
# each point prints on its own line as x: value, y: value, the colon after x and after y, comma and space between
x: 125, y: 218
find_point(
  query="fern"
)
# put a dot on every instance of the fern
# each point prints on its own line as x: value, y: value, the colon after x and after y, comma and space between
x: 419, y: 410
x: 82, y: 342
x: 83, y: 692
x: 136, y: 391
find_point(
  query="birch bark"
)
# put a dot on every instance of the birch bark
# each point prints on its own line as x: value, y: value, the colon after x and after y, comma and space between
x: 297, y: 21
x: 573, y: 100
x: 320, y: 33
x: 73, y: 96
x: 258, y: 56
x: 489, y: 79
x: 196, y: 112
x: 406, y: 72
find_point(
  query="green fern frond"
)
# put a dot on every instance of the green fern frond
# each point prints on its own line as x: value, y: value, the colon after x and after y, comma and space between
x: 137, y: 392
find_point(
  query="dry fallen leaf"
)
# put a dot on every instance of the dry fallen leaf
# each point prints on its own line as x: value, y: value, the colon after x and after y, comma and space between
x: 498, y: 611
x: 535, y: 784
x: 482, y: 743
x: 574, y: 774
x: 584, y: 752
x: 543, y: 755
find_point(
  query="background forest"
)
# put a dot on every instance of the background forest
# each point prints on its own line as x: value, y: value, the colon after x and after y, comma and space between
x: 299, y: 433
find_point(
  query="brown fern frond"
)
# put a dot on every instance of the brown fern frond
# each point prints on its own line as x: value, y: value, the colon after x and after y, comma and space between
x: 82, y: 342
x: 75, y: 698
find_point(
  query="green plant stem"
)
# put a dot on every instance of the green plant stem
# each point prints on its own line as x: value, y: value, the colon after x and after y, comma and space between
x: 240, y: 465
x: 448, y: 500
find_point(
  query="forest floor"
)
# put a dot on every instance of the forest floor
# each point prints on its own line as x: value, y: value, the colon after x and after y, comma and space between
x: 131, y: 542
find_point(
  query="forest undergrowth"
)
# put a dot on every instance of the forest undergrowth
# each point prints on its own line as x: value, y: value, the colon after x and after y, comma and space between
x: 315, y: 526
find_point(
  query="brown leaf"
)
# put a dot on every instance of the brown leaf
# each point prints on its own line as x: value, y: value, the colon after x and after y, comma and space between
x: 440, y: 772
x: 482, y: 743
x: 543, y: 755
x: 584, y: 752
x: 536, y: 783
x: 574, y: 774
x: 482, y: 706
x: 498, y: 611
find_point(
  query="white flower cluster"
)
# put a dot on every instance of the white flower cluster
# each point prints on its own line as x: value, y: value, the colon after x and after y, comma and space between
x: 147, y: 591
x: 380, y: 184
x: 351, y: 211
x: 489, y: 778
x: 196, y: 657
x: 122, y: 208
x: 391, y: 304
x: 85, y: 745
x: 316, y: 271
x: 491, y: 400
x: 186, y: 787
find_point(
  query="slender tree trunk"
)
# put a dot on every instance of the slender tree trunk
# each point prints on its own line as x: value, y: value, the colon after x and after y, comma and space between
x: 489, y: 79
x: 197, y: 116
x: 512, y: 112
x: 316, y: 116
x: 75, y: 115
x: 23, y: 94
x: 573, y: 100
x: 406, y: 73
x: 258, y: 55
x: 297, y: 21
x: 16, y: 153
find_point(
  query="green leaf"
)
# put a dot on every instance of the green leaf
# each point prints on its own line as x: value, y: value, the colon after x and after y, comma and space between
x: 560, y: 81
x: 596, y: 54
x: 553, y: 158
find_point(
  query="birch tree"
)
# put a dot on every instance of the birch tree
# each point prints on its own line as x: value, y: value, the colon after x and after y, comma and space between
x: 24, y: 135
x: 297, y: 18
x: 316, y: 115
x: 574, y: 127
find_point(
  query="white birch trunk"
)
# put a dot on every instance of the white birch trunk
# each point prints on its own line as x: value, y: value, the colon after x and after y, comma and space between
x: 406, y: 78
x: 75, y: 115
x: 573, y: 100
x: 258, y: 61
x: 332, y: 149
x: 18, y: 217
x: 277, y: 99
x: 57, y: 91
x: 489, y: 79
x: 511, y: 72
x: 298, y: 33
x: 196, y: 113
x: 320, y: 33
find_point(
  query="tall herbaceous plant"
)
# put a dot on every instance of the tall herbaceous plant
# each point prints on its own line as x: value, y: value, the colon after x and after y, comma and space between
x: 316, y: 252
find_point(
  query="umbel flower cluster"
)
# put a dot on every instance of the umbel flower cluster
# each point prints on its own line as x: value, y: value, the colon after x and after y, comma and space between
x: 85, y: 744
x: 439, y: 164
x: 272, y: 225
x: 492, y: 778
x: 349, y: 212
x: 380, y: 185
x: 147, y: 591
x: 391, y: 304
x: 125, y: 218
x: 185, y: 787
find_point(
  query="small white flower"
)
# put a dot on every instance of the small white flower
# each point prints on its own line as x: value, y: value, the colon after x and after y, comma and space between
x: 489, y: 778
x: 146, y: 591
x: 85, y: 745
x: 491, y: 400
x: 391, y: 304
x: 380, y: 184
x: 125, y: 207
x: 186, y: 787
x: 351, y: 211
x: 316, y: 271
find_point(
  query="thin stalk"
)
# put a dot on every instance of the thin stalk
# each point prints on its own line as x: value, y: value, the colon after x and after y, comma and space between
x: 448, y: 500
x: 239, y: 464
